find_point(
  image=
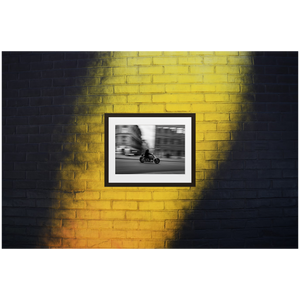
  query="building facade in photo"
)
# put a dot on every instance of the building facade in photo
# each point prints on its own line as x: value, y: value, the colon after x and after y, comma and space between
x: 170, y: 140
x: 128, y: 139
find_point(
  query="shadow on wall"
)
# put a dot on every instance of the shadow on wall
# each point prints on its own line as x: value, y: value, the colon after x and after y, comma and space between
x: 252, y: 201
x: 40, y: 103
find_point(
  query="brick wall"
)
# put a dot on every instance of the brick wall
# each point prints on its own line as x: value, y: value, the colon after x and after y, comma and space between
x: 246, y: 150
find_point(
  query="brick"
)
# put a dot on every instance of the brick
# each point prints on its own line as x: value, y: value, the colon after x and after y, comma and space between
x: 54, y: 92
x: 244, y: 155
x: 247, y: 79
x: 170, y: 195
x: 216, y: 117
x: 227, y: 69
x: 269, y: 174
x: 99, y: 224
x: 138, y: 195
x: 235, y: 136
x: 112, y: 215
x: 218, y: 136
x: 126, y: 205
x: 151, y: 205
x: 25, y: 166
x: 138, y: 215
x: 153, y: 88
x: 14, y: 212
x: 72, y: 185
x: 230, y: 126
x: 88, y: 214
x: 37, y: 157
x: 73, y: 166
x: 74, y: 243
x: 164, y: 61
x: 139, y: 98
x: 9, y: 93
x: 178, y: 107
x: 63, y: 138
x: 87, y: 138
x: 75, y: 129
x: 285, y: 184
x: 284, y: 164
x: 158, y: 225
x: 214, y: 78
x: 114, y: 99
x: 126, y: 71
x: 87, y: 233
x: 20, y: 67
x: 217, y: 97
x: 217, y: 156
x: 172, y: 205
x: 252, y: 194
x: 14, y: 156
x: 207, y: 146
x: 234, y: 60
x: 258, y: 184
x: 232, y: 184
x: 215, y: 60
x: 19, y: 84
x: 125, y: 225
x: 98, y: 90
x: 98, y: 204
x: 38, y: 175
x: 66, y: 64
x: 40, y: 101
x: 138, y: 79
x: 93, y: 81
x: 84, y: 119
x: 139, y: 234
x: 201, y: 127
x: 128, y: 108
x: 99, y: 243
x: 139, y: 61
x: 87, y: 175
x: 258, y: 164
x: 114, y: 62
x: 165, y: 98
x: 144, y: 108
x: 176, y: 69
x: 178, y: 88
x: 113, y: 195
x: 203, y: 88
x: 150, y: 70
x: 164, y: 215
x: 126, y: 89
x: 92, y: 72
x: 64, y: 175
x: 190, y: 60
x: 53, y: 56
x: 290, y: 173
x: 229, y: 87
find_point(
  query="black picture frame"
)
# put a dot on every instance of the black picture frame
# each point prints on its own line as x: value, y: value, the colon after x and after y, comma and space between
x: 109, y: 153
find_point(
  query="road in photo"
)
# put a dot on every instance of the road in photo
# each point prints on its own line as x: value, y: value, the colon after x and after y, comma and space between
x: 134, y: 166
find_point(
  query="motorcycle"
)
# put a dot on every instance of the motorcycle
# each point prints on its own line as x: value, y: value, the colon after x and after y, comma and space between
x: 152, y: 159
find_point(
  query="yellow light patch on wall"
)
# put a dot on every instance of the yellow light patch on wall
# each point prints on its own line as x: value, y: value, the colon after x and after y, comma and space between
x: 206, y: 83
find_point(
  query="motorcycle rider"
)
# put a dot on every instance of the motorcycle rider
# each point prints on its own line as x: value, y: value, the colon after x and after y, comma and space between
x: 148, y: 154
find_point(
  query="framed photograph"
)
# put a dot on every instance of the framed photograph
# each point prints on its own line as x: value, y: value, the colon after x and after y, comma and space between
x: 150, y: 149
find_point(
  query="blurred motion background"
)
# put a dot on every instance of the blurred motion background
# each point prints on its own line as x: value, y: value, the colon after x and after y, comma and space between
x: 164, y: 140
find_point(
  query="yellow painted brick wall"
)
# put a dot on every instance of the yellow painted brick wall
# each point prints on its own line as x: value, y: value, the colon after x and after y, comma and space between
x: 71, y: 207
x: 145, y: 82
